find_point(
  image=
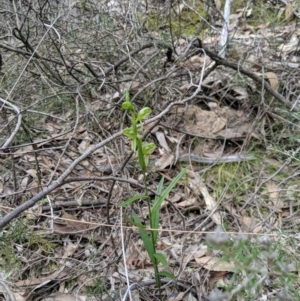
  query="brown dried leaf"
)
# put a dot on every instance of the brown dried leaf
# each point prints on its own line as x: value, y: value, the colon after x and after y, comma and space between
x: 32, y: 172
x: 199, y: 253
x: 211, y: 205
x: 214, y: 277
x: 24, y: 182
x: 73, y: 222
x: 218, y: 4
x: 69, y: 249
x: 290, y: 46
x: 176, y: 296
x: 272, y: 77
x: 289, y: 12
x: 186, y: 203
x: 240, y: 93
x: 164, y: 161
x: 85, y: 143
x: 215, y: 264
x: 249, y: 224
x: 34, y: 212
x: 160, y: 136
x: 20, y: 296
x: 218, y: 125
x: 47, y: 162
x: 239, y: 131
x: 58, y: 296
x: 211, y: 123
x: 273, y: 190
x: 180, y: 9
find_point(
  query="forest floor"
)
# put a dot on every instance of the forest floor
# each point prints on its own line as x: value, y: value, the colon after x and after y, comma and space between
x: 228, y: 229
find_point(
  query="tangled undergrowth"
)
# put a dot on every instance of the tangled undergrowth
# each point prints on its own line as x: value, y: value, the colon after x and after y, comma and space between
x: 70, y: 155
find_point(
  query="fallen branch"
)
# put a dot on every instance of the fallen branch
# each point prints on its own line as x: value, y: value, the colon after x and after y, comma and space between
x: 252, y: 75
x: 60, y: 181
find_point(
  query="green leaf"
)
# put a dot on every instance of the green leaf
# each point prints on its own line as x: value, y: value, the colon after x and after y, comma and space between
x: 140, y: 154
x: 139, y: 225
x: 129, y: 132
x: 143, y: 113
x: 146, y: 159
x: 161, y: 258
x: 167, y: 274
x: 127, y: 105
x: 134, y: 198
x: 148, y: 148
x: 145, y: 238
x: 133, y: 145
x: 155, y: 215
x: 127, y: 95
x: 166, y: 192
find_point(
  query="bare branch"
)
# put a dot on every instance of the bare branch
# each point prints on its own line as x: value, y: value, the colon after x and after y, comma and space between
x: 17, y: 127
x: 60, y: 181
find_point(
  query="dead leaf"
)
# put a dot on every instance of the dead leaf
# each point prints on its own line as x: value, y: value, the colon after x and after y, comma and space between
x: 249, y: 224
x: 180, y: 9
x: 211, y: 205
x: 186, y: 203
x: 69, y: 249
x: 211, y: 123
x: 272, y: 77
x: 58, y: 296
x: 164, y: 161
x: 273, y: 190
x: 218, y: 125
x: 47, y: 162
x: 218, y: 4
x: 176, y: 296
x: 32, y: 172
x: 185, y: 87
x: 216, y: 276
x: 24, y: 182
x: 35, y: 211
x: 240, y: 93
x: 215, y: 264
x: 133, y: 87
x: 199, y: 253
x: 240, y: 131
x: 59, y: 274
x: 73, y: 222
x: 20, y: 296
x: 290, y: 46
x: 289, y: 12
x: 162, y: 140
x: 85, y: 143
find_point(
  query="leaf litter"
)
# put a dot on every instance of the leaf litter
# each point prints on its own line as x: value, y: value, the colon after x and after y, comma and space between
x: 86, y: 233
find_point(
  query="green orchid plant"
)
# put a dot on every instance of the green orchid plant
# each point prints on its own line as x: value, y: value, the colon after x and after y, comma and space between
x: 143, y: 150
